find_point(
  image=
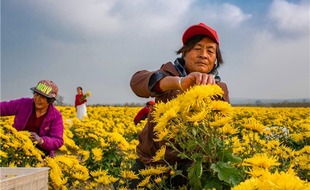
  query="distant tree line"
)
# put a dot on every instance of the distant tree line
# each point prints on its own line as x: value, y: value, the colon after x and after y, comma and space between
x: 259, y: 103
x: 60, y: 102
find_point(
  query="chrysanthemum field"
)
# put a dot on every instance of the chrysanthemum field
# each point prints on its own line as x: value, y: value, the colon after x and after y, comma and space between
x: 239, y: 148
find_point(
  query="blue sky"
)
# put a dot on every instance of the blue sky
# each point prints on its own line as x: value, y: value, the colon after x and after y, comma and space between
x: 99, y: 45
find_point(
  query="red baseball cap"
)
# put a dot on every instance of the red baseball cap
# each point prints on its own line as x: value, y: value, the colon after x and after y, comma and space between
x: 46, y: 88
x: 151, y: 102
x: 200, y: 28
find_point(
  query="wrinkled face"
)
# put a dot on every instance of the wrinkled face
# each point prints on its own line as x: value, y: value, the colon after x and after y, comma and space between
x: 40, y: 101
x: 201, y: 57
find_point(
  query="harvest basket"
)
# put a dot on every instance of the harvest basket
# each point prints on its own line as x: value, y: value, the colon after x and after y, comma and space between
x: 24, y: 178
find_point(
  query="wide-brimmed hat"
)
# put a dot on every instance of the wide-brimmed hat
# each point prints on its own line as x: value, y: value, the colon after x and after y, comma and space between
x: 200, y: 28
x: 46, y: 88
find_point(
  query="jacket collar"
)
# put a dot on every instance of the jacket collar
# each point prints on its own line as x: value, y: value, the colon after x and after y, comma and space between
x: 179, y: 65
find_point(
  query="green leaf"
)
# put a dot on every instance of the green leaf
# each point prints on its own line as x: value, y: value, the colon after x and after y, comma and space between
x: 227, y: 173
x: 194, y: 132
x: 228, y: 156
x: 190, y: 145
x: 215, y: 183
x: 194, y: 174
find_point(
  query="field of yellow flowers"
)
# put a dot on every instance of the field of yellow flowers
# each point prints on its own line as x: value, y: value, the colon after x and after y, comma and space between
x: 246, y: 147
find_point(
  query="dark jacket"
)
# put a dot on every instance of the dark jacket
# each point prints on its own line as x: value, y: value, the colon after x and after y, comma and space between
x: 51, y: 129
x: 142, y: 83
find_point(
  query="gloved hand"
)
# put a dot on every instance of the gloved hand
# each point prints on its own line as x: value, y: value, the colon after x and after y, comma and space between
x: 36, y: 138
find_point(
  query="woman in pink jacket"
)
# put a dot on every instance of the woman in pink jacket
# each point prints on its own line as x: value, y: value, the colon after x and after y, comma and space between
x: 39, y: 116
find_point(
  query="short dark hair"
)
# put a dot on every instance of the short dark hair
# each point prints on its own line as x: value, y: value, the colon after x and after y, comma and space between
x: 79, y: 88
x: 189, y: 45
x: 49, y: 100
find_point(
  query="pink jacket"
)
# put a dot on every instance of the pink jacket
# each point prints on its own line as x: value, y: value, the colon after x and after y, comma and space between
x: 51, y: 129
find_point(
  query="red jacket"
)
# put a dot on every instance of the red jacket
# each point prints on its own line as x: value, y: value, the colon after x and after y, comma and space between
x: 142, y: 114
x: 78, y: 98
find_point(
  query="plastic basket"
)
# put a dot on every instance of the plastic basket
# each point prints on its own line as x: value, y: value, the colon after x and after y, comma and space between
x: 24, y: 178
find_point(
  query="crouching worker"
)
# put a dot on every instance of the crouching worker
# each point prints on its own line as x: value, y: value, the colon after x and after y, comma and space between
x: 198, y: 65
x: 39, y: 116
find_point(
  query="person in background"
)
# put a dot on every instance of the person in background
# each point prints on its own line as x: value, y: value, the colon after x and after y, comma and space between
x: 80, y: 106
x: 39, y: 116
x: 198, y: 64
x: 144, y: 112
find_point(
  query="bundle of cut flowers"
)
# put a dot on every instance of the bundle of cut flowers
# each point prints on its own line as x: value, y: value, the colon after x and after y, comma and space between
x: 195, y: 124
x: 85, y: 96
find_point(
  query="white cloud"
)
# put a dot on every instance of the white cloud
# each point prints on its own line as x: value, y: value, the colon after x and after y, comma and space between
x: 110, y: 17
x: 100, y: 44
x: 225, y: 14
x: 233, y: 15
x: 277, y: 68
x: 291, y: 17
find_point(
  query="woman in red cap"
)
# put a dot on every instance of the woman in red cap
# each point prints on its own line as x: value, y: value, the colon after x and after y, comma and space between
x: 144, y: 112
x: 200, y: 58
x: 39, y: 116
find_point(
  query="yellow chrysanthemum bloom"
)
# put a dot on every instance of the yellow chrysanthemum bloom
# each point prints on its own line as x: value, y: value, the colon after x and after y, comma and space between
x: 103, y: 143
x: 97, y: 152
x: 249, y: 184
x: 129, y: 175
x: 198, y: 116
x: 283, y: 181
x: 161, y: 108
x: 220, y: 121
x: 297, y: 136
x: 272, y: 144
x: 82, y: 170
x: 120, y: 140
x: 227, y: 129
x: 222, y: 107
x: 305, y: 149
x: 254, y: 125
x: 160, y: 154
x: 261, y: 160
x: 161, y: 135
x: 257, y: 171
x: 84, y: 155
x: 303, y: 160
x: 158, y: 180
x: 93, y: 136
x: 103, y: 180
x: 145, y: 182
x: 98, y: 173
x: 76, y: 183
x: 56, y: 173
x: 3, y: 154
x: 154, y: 170
x: 80, y: 175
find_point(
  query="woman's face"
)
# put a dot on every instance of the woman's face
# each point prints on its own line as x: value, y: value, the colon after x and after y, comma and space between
x: 40, y: 101
x: 201, y: 57
x: 78, y: 90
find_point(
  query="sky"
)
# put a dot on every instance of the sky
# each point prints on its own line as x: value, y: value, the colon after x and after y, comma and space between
x: 100, y: 44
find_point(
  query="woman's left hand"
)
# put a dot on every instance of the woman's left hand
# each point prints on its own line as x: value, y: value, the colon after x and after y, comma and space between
x: 36, y: 138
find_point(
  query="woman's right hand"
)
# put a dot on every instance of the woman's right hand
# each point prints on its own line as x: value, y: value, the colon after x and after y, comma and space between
x: 196, y: 78
x: 183, y: 83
